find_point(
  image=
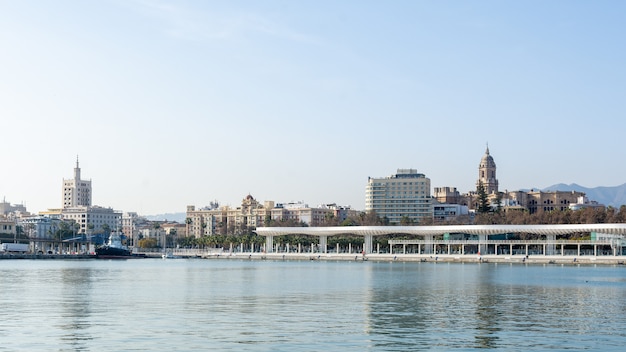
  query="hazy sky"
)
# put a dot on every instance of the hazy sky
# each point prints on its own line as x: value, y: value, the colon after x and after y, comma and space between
x: 176, y: 103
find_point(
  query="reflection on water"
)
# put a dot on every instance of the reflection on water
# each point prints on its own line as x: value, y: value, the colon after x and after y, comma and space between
x: 301, y: 306
x: 75, y: 300
x: 505, y: 307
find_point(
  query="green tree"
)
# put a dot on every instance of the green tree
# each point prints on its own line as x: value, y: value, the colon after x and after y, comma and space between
x: 171, y: 238
x: 330, y: 219
x: 406, y: 221
x: 371, y: 218
x: 349, y: 222
x: 147, y: 243
x: 482, y: 199
x: 188, y: 222
x: 64, y: 231
x: 499, y: 202
x: 186, y: 242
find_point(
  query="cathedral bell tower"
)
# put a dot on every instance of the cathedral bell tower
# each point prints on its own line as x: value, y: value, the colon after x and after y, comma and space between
x: 487, y: 173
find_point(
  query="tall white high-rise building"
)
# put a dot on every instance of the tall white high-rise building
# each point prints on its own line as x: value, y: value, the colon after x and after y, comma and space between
x: 76, y: 192
x: 403, y: 195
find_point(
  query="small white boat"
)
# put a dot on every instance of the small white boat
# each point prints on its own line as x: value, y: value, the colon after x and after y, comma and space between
x: 169, y: 255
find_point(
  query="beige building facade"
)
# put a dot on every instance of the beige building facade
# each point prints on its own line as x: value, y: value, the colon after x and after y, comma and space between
x: 540, y: 201
x: 447, y: 195
x: 97, y: 216
x: 7, y: 226
x: 76, y: 191
x: 216, y: 220
x: 403, y: 195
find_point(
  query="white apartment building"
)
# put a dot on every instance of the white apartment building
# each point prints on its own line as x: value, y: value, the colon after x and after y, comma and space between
x: 40, y: 229
x: 446, y: 212
x: 405, y: 194
x: 97, y: 216
x: 300, y: 212
x: 76, y: 192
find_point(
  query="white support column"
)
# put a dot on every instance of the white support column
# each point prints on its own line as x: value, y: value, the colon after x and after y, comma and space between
x: 269, y: 243
x: 428, y: 244
x: 551, y: 246
x: 367, y: 243
x: 482, y: 247
x: 323, y: 244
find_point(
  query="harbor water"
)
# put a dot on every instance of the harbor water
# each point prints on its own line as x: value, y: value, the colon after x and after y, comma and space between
x: 266, y: 305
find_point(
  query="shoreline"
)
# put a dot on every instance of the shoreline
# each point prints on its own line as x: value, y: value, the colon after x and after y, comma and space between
x: 47, y: 256
x: 385, y: 257
x: 428, y: 258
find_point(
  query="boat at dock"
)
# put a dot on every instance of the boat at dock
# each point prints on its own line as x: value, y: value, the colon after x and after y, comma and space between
x: 115, y: 249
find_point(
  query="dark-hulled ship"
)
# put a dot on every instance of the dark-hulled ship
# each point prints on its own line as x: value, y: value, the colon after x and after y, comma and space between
x: 114, y: 249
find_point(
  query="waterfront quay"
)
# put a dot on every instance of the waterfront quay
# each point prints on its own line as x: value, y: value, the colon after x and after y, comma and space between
x: 46, y: 256
x: 398, y: 257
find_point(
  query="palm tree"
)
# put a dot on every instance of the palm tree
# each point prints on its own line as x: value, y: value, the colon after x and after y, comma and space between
x: 156, y: 226
x: 173, y: 237
x: 64, y: 227
x: 188, y: 221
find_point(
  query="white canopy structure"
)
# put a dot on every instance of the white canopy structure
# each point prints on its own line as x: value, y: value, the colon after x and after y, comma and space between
x: 428, y: 232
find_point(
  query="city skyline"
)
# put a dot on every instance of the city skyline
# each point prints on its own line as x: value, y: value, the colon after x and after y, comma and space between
x: 172, y: 104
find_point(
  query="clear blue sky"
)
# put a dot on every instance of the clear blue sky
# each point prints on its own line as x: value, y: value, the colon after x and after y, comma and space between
x: 172, y: 103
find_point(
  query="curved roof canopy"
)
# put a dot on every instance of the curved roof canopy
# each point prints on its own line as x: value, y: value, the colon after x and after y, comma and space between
x: 615, y: 229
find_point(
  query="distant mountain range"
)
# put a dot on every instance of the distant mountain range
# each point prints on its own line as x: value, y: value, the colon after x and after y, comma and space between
x: 178, y: 217
x: 613, y: 196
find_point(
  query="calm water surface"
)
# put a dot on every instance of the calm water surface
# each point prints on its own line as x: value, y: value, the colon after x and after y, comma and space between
x: 240, y: 305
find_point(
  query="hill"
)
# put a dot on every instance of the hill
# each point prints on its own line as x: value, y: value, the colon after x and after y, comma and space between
x: 613, y: 196
x: 178, y: 217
